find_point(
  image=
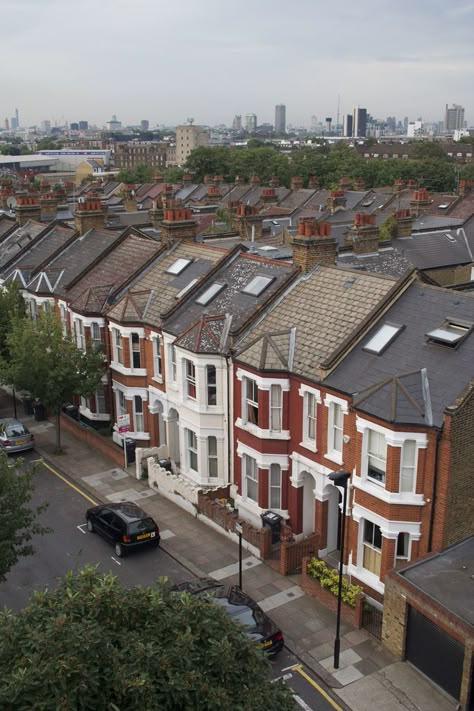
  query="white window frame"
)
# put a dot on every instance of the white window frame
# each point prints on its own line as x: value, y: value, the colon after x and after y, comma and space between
x: 408, y: 466
x: 96, y: 338
x: 276, y: 408
x: 121, y: 405
x: 190, y: 379
x: 138, y: 414
x: 372, y: 547
x: 80, y: 334
x: 157, y: 359
x: 63, y: 317
x: 333, y: 454
x: 375, y: 456
x: 212, y: 458
x: 250, y: 474
x: 117, y: 345
x: 100, y: 401
x: 172, y: 357
x: 192, y: 450
x: 247, y: 402
x: 274, y: 473
x: 135, y: 349
x: 211, y: 388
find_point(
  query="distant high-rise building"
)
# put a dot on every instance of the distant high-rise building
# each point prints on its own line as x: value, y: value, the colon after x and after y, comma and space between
x: 144, y: 125
x: 45, y: 126
x: 14, y: 122
x: 454, y: 118
x: 251, y: 122
x: 7, y: 124
x: 280, y: 118
x: 359, y: 122
x: 74, y: 126
x: 83, y: 125
x: 189, y: 137
x: 237, y: 122
x: 113, y: 124
x: 328, y: 120
x: 347, y: 125
x: 314, y: 122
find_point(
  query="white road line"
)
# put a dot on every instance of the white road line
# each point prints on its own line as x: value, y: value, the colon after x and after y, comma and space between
x: 288, y: 668
x: 116, y: 561
x: 302, y: 703
x: 81, y: 527
x: 285, y: 677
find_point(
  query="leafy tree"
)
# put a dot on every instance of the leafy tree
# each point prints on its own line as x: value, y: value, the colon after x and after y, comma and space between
x: 428, y: 149
x: 172, y: 174
x: 143, y: 173
x: 11, y: 304
x: 388, y: 228
x: 92, y: 645
x: 18, y: 521
x: 48, y: 144
x: 48, y: 365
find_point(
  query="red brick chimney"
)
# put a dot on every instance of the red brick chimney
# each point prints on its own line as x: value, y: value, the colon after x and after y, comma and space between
x: 398, y: 185
x: 335, y: 199
x: 363, y: 235
x: 6, y: 191
x: 49, y: 206
x: 238, y: 180
x: 247, y: 222
x: 359, y: 184
x: 268, y: 196
x: 344, y: 184
x: 254, y: 180
x: 44, y: 187
x: 313, y: 244
x: 158, y: 178
x: 296, y: 182
x: 187, y: 179
x: 27, y: 208
x: 156, y: 213
x: 314, y: 182
x: 404, y: 220
x: 177, y: 223
x: 465, y: 187
x: 274, y: 182
x: 90, y: 213
x: 420, y: 202
x: 213, y: 195
x: 208, y: 180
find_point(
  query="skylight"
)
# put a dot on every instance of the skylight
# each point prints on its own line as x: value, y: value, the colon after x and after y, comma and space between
x: 384, y: 336
x: 257, y: 285
x: 450, y: 334
x: 178, y: 266
x: 210, y: 293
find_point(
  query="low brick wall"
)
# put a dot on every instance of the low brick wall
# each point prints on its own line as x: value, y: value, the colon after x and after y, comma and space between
x: 260, y: 538
x: 310, y: 585
x: 292, y: 554
x: 104, y: 445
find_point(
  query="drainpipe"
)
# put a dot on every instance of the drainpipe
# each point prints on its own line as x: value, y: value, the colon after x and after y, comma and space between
x: 433, y: 492
x: 228, y: 418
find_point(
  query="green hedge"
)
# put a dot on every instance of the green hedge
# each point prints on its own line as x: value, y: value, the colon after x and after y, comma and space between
x: 328, y: 578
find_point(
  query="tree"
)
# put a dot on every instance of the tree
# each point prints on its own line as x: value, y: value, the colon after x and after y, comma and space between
x: 18, y: 521
x: 47, y: 364
x: 92, y: 645
x: 11, y: 304
x: 388, y: 228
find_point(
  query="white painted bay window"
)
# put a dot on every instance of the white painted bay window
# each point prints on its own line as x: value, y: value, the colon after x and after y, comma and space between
x: 190, y: 379
x: 63, y: 317
x: 192, y: 450
x: 212, y: 460
x: 117, y: 346
x: 135, y: 351
x: 408, y: 466
x: 211, y: 385
x: 376, y: 456
x: 372, y: 547
x: 157, y: 362
x: 250, y: 477
x: 121, y: 404
x: 95, y: 335
x: 275, y: 408
x: 274, y: 481
x: 172, y: 362
x: 138, y: 422
x: 80, y: 337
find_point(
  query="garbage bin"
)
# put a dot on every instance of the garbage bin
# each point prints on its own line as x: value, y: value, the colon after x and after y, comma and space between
x: 130, y: 449
x: 165, y: 464
x: 71, y: 411
x: 27, y: 405
x: 273, y: 520
x: 39, y: 410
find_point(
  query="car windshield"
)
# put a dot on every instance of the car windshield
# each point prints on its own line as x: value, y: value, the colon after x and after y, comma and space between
x: 242, y: 613
x: 143, y: 524
x: 14, y: 429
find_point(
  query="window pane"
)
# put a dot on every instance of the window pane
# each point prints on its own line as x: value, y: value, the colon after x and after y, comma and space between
x: 403, y: 540
x: 212, y: 456
x: 310, y: 416
x: 376, y: 455
x: 407, y: 468
x: 211, y: 385
x: 275, y: 486
x: 275, y: 408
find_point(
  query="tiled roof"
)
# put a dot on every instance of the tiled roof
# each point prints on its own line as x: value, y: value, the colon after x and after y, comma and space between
x: 17, y: 240
x: 463, y: 209
x: 325, y: 308
x: 163, y: 286
x: 6, y: 224
x: 296, y: 198
x: 48, y: 241
x: 205, y: 335
x: 272, y: 351
x: 430, y: 250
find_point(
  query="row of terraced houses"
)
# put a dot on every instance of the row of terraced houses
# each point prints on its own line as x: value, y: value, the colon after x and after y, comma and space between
x: 264, y: 376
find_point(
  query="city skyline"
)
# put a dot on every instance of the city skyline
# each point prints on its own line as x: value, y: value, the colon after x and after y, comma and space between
x: 95, y: 62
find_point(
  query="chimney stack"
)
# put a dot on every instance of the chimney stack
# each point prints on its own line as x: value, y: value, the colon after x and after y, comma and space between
x: 420, y: 202
x: 404, y: 220
x: 90, y: 214
x: 313, y: 244
x: 213, y: 195
x: 359, y: 184
x: 6, y: 191
x: 187, y: 179
x: 49, y: 206
x: 335, y: 199
x: 313, y: 182
x: 177, y: 223
x: 246, y: 222
x: 296, y: 182
x: 254, y: 180
x: 363, y: 235
x: 465, y: 187
x: 27, y: 208
x: 398, y: 185
x: 268, y: 196
x: 274, y: 182
x: 129, y: 202
x: 156, y: 213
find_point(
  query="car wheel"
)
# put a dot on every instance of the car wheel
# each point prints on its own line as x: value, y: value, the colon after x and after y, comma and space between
x: 90, y: 525
x: 118, y: 550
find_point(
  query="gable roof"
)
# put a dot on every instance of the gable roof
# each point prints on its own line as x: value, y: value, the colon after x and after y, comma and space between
x: 206, y: 335
x: 272, y: 351
x: 44, y: 245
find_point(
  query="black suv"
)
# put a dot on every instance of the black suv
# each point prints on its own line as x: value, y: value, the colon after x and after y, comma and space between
x: 241, y: 608
x: 125, y: 525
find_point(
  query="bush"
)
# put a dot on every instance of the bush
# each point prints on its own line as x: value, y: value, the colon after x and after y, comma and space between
x: 328, y: 578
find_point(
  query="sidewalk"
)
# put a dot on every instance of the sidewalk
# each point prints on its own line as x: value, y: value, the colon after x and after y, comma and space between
x: 368, y: 674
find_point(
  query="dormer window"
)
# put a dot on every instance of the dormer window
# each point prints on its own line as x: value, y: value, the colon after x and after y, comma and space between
x: 450, y: 334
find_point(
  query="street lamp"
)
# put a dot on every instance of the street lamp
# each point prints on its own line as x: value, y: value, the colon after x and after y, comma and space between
x: 340, y: 478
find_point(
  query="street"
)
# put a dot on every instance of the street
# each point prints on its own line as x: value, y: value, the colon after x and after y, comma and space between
x: 70, y: 546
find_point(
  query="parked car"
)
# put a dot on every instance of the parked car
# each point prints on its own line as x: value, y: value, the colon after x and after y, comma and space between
x: 125, y: 525
x: 14, y: 436
x: 241, y: 608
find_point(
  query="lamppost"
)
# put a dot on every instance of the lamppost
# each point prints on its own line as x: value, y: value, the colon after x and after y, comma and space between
x: 340, y: 478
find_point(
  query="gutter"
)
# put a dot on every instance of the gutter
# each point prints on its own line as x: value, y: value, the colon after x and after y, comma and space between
x: 433, y: 492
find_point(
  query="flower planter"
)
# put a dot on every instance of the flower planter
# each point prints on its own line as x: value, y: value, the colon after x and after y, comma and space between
x: 311, y: 586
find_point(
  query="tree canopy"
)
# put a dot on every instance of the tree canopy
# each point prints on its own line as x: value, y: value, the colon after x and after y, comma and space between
x: 48, y: 364
x: 92, y: 645
x: 18, y: 520
x: 12, y: 305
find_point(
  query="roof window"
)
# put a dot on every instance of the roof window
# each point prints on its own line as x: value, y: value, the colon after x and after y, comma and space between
x: 451, y: 333
x: 257, y: 285
x: 178, y: 266
x: 207, y: 296
x: 382, y: 338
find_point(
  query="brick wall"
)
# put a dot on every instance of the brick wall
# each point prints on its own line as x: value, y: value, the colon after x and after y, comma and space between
x: 353, y: 615
x: 293, y: 554
x: 96, y: 441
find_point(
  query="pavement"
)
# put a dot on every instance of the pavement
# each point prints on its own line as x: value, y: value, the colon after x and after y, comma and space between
x: 368, y: 674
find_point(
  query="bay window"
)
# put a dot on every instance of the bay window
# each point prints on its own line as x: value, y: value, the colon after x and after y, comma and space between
x: 376, y: 456
x: 212, y: 461
x: 117, y: 346
x: 250, y: 402
x: 80, y: 337
x: 274, y: 480
x: 250, y: 477
x: 192, y: 450
x: 121, y: 404
x: 135, y: 348
x: 190, y: 377
x: 95, y: 335
x: 211, y: 384
x: 172, y: 361
x: 408, y: 466
x: 157, y: 363
x: 138, y: 422
x: 372, y: 547
x: 275, y: 408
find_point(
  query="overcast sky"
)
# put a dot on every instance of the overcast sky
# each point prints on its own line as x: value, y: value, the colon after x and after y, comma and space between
x: 164, y: 61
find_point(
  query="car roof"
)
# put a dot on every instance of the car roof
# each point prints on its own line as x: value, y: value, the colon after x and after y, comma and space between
x: 128, y: 510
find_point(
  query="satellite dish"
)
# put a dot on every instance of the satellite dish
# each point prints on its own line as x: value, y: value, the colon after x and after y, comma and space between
x: 11, y: 202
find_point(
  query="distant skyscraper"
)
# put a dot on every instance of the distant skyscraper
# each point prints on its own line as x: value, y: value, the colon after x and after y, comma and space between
x: 83, y: 125
x: 251, y: 122
x: 237, y: 122
x: 454, y: 118
x: 46, y: 126
x: 347, y: 125
x: 359, y: 122
x: 144, y: 125
x: 15, y: 121
x: 280, y: 118
x: 74, y: 126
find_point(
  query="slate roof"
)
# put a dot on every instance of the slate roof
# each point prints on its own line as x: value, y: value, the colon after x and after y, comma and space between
x: 206, y: 335
x: 234, y: 275
x: 463, y: 209
x: 296, y: 198
x: 325, y: 307
x: 111, y: 271
x: 6, y: 224
x: 388, y: 260
x: 44, y: 247
x: 370, y: 377
x: 19, y: 239
x: 162, y: 287
x: 431, y: 250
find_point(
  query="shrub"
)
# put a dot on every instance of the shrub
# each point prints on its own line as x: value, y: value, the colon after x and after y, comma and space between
x: 328, y: 578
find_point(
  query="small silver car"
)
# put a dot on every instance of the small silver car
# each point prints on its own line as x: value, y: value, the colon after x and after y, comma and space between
x: 14, y: 437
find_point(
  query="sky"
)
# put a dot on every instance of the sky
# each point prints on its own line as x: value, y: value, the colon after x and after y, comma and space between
x: 166, y: 61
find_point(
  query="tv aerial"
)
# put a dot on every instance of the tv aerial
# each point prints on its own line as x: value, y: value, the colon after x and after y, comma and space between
x: 190, y: 120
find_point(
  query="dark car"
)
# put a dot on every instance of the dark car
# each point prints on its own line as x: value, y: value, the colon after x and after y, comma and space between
x: 125, y: 525
x: 241, y: 608
x: 14, y: 437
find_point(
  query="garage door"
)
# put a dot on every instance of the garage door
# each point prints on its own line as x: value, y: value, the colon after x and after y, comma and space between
x: 434, y: 652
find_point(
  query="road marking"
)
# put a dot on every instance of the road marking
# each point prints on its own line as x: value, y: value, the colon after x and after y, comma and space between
x: 116, y: 561
x: 285, y: 677
x: 298, y: 668
x: 81, y: 527
x: 73, y: 486
x: 280, y: 598
x: 233, y: 568
x: 302, y: 703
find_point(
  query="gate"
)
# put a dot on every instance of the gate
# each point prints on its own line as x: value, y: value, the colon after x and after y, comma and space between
x: 372, y: 618
x: 434, y: 652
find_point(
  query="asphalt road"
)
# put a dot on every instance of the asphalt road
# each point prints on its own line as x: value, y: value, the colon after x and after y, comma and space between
x: 71, y: 546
